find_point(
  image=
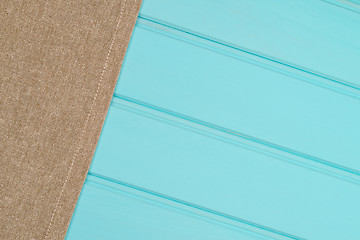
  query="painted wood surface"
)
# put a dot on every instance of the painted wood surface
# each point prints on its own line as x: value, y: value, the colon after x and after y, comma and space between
x: 231, y: 120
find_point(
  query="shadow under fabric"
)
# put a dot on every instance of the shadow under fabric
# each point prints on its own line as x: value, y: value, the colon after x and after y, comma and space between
x: 59, y: 62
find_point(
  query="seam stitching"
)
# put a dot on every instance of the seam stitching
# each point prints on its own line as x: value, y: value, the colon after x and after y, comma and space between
x: 86, y: 121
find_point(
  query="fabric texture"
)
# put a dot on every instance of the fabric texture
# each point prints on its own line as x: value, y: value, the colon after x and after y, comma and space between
x: 59, y: 63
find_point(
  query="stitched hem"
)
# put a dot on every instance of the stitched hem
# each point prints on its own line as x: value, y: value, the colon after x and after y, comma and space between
x: 86, y: 122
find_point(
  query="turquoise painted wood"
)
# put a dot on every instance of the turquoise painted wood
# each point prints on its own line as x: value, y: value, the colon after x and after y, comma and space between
x: 231, y: 120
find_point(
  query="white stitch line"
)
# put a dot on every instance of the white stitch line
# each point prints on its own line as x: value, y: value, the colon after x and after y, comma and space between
x: 87, y: 119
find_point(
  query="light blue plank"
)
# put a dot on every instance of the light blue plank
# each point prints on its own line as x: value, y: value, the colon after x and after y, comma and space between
x: 231, y: 120
x: 312, y: 34
x: 107, y: 211
x: 151, y: 150
x: 246, y: 97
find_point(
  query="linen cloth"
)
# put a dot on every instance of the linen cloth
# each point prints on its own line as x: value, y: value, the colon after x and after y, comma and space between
x: 59, y: 63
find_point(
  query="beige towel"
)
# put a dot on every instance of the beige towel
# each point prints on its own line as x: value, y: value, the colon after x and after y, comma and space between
x: 59, y: 62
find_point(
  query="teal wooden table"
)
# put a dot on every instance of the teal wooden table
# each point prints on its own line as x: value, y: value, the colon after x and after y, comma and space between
x: 231, y: 120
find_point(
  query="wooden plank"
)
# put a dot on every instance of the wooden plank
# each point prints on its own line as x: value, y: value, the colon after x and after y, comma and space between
x: 243, y: 123
x: 107, y: 211
x: 148, y: 149
x: 319, y: 36
x: 245, y: 97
